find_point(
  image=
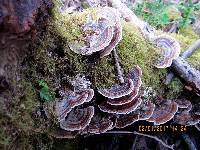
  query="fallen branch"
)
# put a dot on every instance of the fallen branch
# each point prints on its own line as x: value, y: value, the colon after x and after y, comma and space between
x: 134, y: 142
x: 185, y: 55
x: 191, y: 49
x: 183, y: 69
x: 179, y: 65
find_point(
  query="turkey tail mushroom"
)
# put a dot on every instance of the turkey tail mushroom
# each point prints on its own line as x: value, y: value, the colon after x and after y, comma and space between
x: 134, y: 74
x: 98, y: 125
x: 170, y: 50
x: 164, y: 112
x: 186, y: 118
x: 102, y: 33
x: 118, y: 90
x: 126, y: 120
x: 120, y: 109
x: 77, y: 119
x: 68, y: 102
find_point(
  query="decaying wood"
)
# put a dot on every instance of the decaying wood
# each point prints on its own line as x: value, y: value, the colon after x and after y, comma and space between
x: 185, y: 55
x: 179, y: 66
x: 183, y: 69
x: 191, y: 49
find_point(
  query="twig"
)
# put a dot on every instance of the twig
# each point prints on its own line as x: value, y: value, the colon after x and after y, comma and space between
x: 134, y: 142
x: 188, y: 141
x: 117, y: 66
x: 185, y: 55
x: 191, y: 49
x: 197, y: 126
x: 156, y: 138
x: 137, y: 133
x: 191, y: 75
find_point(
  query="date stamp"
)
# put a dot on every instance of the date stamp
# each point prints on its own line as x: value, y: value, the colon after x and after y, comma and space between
x: 162, y: 128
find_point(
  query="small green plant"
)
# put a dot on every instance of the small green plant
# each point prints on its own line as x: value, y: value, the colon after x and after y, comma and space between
x: 44, y: 91
x: 187, y: 10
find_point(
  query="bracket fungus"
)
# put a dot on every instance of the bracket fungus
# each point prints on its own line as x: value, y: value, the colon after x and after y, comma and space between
x: 118, y: 90
x: 98, y: 125
x: 69, y: 101
x: 164, y: 112
x: 170, y: 50
x: 63, y: 134
x: 146, y: 111
x: 134, y: 74
x: 101, y: 33
x: 186, y: 118
x: 122, y: 98
x: 183, y: 103
x: 126, y: 120
x: 77, y: 119
x: 120, y: 109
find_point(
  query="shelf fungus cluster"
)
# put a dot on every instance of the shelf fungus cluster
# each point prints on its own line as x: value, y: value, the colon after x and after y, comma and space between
x: 122, y: 97
x: 123, y: 100
x: 101, y: 33
x: 186, y: 114
x: 123, y: 105
x: 77, y: 111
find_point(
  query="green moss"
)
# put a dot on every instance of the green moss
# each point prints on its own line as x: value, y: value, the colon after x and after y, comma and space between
x: 69, y: 26
x: 25, y: 104
x: 186, y: 37
x: 174, y: 88
x: 135, y: 50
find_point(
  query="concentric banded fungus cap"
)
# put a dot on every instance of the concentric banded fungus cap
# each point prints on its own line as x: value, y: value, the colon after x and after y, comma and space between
x: 77, y: 119
x: 183, y: 103
x: 63, y: 134
x: 146, y: 111
x: 118, y: 90
x: 134, y: 74
x: 126, y: 120
x: 101, y: 34
x: 65, y: 105
x: 120, y: 109
x: 186, y: 118
x: 170, y: 50
x: 164, y: 113
x: 98, y: 42
x: 114, y: 17
x: 98, y: 125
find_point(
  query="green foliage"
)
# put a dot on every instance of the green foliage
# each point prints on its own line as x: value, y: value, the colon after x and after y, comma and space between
x: 158, y: 14
x: 187, y: 10
x: 153, y: 13
x: 44, y: 91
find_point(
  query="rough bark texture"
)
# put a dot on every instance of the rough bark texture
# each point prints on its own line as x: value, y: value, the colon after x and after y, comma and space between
x: 186, y: 72
x: 191, y: 49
